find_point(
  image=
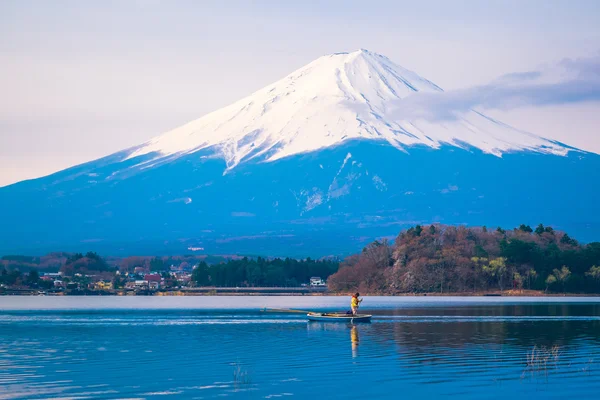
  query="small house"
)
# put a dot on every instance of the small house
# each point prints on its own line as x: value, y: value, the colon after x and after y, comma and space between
x: 154, y: 280
x: 317, y: 281
x: 141, y: 284
x: 104, y: 285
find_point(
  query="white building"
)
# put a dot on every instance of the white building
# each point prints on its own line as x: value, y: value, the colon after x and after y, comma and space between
x: 317, y: 281
x: 141, y: 284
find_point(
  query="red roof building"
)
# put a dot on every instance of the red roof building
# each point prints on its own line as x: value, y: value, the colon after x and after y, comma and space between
x: 153, y: 278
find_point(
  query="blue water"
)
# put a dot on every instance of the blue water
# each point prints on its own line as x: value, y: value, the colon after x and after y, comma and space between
x: 213, y: 347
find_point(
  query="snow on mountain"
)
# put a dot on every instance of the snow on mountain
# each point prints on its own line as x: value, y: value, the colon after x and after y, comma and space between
x: 338, y: 162
x: 333, y: 99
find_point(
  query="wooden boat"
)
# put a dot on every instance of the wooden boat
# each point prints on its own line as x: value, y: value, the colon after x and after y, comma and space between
x: 338, y: 317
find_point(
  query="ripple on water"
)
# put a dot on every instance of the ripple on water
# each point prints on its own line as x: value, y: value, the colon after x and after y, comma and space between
x: 467, y: 352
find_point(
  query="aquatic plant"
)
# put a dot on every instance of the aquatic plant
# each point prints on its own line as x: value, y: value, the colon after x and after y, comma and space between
x: 541, y: 359
x: 241, y: 377
x: 587, y: 367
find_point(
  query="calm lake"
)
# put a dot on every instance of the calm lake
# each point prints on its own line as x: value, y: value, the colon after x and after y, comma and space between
x: 212, y: 347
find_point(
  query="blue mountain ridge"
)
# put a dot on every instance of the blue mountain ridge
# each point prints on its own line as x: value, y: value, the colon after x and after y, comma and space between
x: 328, y: 202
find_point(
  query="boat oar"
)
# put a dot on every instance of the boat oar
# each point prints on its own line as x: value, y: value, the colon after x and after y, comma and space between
x: 287, y: 310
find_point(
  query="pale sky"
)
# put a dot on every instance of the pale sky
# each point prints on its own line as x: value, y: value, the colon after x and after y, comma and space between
x: 83, y: 79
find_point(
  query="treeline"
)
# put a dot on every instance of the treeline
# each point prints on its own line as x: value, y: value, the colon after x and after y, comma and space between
x: 223, y: 271
x: 262, y: 272
x: 90, y: 262
x: 48, y: 263
x: 17, y: 278
x: 458, y: 259
x: 159, y: 264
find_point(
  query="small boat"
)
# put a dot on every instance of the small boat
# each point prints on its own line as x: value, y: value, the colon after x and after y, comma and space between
x: 338, y: 317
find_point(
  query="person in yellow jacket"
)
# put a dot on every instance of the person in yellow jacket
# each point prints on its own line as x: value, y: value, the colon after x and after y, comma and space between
x: 355, y: 302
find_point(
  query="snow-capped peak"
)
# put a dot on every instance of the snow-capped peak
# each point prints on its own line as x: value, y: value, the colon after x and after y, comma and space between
x: 335, y: 98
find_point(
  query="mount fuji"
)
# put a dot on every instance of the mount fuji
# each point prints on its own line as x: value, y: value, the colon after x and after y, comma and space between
x: 317, y: 163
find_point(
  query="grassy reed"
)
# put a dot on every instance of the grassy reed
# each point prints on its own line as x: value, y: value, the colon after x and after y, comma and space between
x: 542, y: 359
x: 241, y: 378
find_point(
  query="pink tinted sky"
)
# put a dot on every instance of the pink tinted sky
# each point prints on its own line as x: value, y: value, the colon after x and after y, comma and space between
x: 81, y: 80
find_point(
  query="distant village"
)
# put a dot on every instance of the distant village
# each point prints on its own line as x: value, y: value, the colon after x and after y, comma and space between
x: 91, y: 274
x: 142, y: 280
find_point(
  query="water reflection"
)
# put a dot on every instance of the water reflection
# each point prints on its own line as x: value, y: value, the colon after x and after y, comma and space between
x: 354, y: 340
x: 532, y: 351
x: 336, y: 327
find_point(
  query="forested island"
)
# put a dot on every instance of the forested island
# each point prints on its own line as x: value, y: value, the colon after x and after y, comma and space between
x: 434, y: 259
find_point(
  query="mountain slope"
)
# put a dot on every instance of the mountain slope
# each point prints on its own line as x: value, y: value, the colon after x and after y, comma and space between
x: 314, y: 164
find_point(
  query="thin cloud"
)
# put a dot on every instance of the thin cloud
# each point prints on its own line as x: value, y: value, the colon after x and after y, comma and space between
x: 584, y: 68
x: 580, y: 82
x: 519, y: 76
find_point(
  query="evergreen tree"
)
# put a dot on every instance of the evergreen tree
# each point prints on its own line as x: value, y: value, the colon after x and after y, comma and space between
x: 200, y: 274
x: 118, y: 282
x: 566, y: 239
x: 92, y: 255
x: 418, y: 230
x: 157, y: 264
x: 525, y: 228
x: 33, y: 277
x: 13, y: 277
x: 540, y: 229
